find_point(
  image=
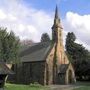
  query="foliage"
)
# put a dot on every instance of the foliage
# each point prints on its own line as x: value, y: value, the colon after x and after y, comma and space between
x: 78, y: 55
x: 9, y: 46
x: 35, y: 84
x: 45, y: 37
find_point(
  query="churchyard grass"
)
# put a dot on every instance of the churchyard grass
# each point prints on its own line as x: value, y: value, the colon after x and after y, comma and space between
x: 24, y: 87
x: 83, y: 86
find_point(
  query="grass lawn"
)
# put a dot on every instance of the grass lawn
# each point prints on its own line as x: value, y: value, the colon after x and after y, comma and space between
x: 24, y: 87
x: 84, y: 86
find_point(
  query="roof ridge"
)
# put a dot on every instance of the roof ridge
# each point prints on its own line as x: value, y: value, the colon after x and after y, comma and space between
x: 33, y: 48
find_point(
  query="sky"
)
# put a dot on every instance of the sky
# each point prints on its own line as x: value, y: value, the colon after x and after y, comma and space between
x: 28, y: 19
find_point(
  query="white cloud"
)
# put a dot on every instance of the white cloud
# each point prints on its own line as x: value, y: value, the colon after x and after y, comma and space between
x: 32, y: 29
x: 2, y: 15
x: 11, y: 17
x: 80, y: 25
x: 28, y: 23
x: 6, y: 16
x: 21, y: 28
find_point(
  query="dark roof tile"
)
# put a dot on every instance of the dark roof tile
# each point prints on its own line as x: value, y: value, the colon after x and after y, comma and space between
x: 37, y: 52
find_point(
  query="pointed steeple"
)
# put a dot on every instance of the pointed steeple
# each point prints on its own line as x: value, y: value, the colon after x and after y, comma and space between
x: 56, y: 18
x: 57, y: 28
x: 56, y: 13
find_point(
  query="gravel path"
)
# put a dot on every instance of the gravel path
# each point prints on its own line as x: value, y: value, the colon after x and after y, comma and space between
x: 63, y: 87
x: 2, y: 89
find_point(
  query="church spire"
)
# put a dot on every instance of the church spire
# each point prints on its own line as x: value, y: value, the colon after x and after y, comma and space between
x: 56, y: 13
x: 56, y: 18
x: 57, y: 28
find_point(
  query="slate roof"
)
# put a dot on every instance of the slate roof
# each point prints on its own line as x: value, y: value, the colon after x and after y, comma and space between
x: 24, y: 47
x: 63, y: 68
x: 4, y: 69
x: 36, y: 52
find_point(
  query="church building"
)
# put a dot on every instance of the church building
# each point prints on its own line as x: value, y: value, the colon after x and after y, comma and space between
x: 46, y: 63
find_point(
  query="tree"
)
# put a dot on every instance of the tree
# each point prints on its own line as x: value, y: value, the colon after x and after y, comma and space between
x: 45, y: 37
x: 78, y: 55
x: 70, y: 42
x: 27, y: 42
x: 9, y: 46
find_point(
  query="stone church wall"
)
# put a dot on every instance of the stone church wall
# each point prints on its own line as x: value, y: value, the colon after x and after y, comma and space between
x: 30, y: 72
x: 34, y: 72
x: 49, y: 67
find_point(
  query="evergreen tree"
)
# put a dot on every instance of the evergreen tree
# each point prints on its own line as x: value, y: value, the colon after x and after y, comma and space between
x: 9, y: 46
x: 78, y: 55
x: 70, y: 46
x: 45, y: 37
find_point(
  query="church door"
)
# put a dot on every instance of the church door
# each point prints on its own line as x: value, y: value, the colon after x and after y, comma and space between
x: 69, y: 77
